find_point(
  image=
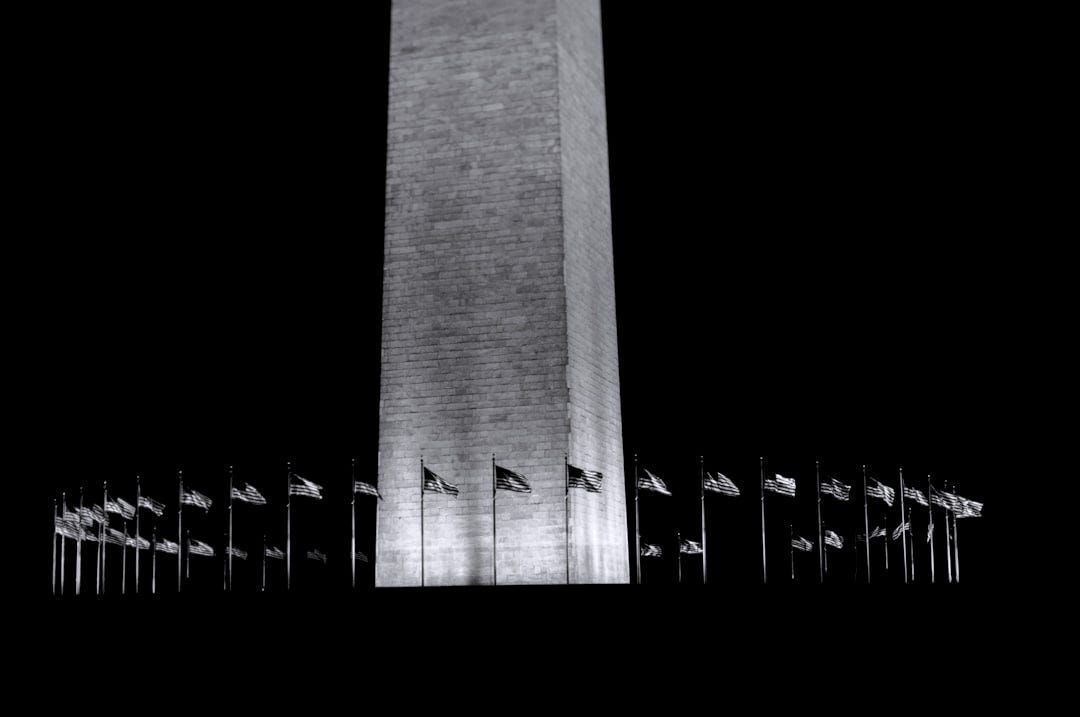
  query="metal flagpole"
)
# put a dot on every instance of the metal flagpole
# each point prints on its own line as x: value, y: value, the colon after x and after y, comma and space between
x: 825, y: 550
x: 78, y: 546
x: 262, y: 588
x: 930, y: 527
x: 104, y: 531
x: 180, y: 534
x: 866, y: 524
x: 138, y: 509
x: 704, y: 543
x: 956, y: 544
x: 820, y: 528
x: 885, y: 522
x: 903, y: 534
x: 225, y: 562
x: 352, y: 542
x: 288, y: 526
x: 948, y: 541
x: 637, y: 524
x: 123, y: 563
x: 187, y: 560
x: 55, y: 532
x: 566, y: 500
x: 678, y: 549
x: 791, y: 549
x: 63, y: 545
x: 230, y: 555
x: 494, y: 537
x: 153, y: 562
x: 421, y: 521
x: 764, y: 571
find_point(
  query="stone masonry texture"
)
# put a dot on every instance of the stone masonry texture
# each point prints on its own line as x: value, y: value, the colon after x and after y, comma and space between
x: 498, y: 331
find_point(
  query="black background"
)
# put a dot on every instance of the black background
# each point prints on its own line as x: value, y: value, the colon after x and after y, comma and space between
x: 801, y: 207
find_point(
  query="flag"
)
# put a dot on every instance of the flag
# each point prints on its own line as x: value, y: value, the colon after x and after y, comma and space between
x: 273, y: 553
x: 98, y: 515
x: 198, y: 547
x: 115, y: 537
x: 434, y: 484
x: 141, y: 543
x: 651, y: 482
x: 506, y: 479
x: 152, y: 505
x: 781, y: 485
x: 248, y: 495
x: 721, y: 484
x: 360, y: 556
x: 317, y: 555
x: 591, y: 481
x: 881, y: 492
x: 121, y: 507
x: 237, y: 552
x: 86, y: 517
x: 836, y: 489
x: 651, y: 551
x: 67, y: 528
x: 197, y: 499
x: 929, y: 532
x: 833, y: 540
x: 969, y: 508
x: 900, y: 530
x: 800, y: 543
x: 877, y: 532
x: 915, y: 494
x: 363, y: 488
x: 304, y: 487
x: 689, y: 547
x: 948, y: 501
x: 168, y: 546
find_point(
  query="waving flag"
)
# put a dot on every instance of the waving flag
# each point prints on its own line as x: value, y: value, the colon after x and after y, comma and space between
x: 506, y: 479
x: 881, y: 492
x: 317, y: 555
x: 197, y: 499
x: 781, y: 485
x: 836, y: 489
x: 721, y: 484
x: 115, y: 537
x: 915, y: 494
x: 273, y: 553
x: 969, y: 508
x: 591, y: 481
x: 800, y: 543
x: 359, y: 556
x: 900, y: 530
x: 198, y: 547
x: 877, y: 532
x: 363, y: 488
x: 237, y: 553
x: 248, y: 494
x: 152, y: 505
x: 135, y: 541
x: 304, y: 487
x: 651, y: 551
x: 833, y: 540
x: 689, y: 547
x: 98, y: 515
x: 434, y: 484
x: 121, y: 507
x: 651, y: 482
x: 167, y: 546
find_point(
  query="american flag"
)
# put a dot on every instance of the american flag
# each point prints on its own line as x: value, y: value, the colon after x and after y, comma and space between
x: 836, y: 489
x: 363, y: 488
x: 67, y: 528
x: 800, y: 543
x: 360, y: 556
x: 317, y: 555
x: 304, y: 487
x: 833, y: 540
x: 197, y: 499
x: 97, y: 515
x: 121, y: 507
x: 115, y: 537
x: 689, y: 547
x: 901, y: 529
x: 651, y: 482
x: 273, y: 553
x: 881, y: 492
x: 651, y: 551
x: 969, y: 508
x: 198, y: 547
x: 506, y: 479
x: 237, y: 553
x: 152, y: 505
x: 721, y: 484
x: 781, y: 485
x: 248, y: 494
x: 167, y: 546
x: 915, y: 494
x: 434, y: 484
x: 591, y: 481
x: 141, y: 543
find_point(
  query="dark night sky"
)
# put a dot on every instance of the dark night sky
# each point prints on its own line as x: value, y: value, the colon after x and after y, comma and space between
x: 794, y: 205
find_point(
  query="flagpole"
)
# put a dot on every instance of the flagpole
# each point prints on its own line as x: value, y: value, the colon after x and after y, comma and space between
x: 421, y: 521
x: 55, y: 532
x: 866, y: 525
x: 187, y: 561
x: 678, y: 549
x: 956, y: 544
x: 948, y: 541
x: 104, y: 532
x: 791, y: 549
x: 494, y: 536
x: 225, y: 562
x: 352, y: 543
x: 637, y: 523
x: 288, y: 526
x: 230, y: 555
x: 820, y: 528
x: 153, y: 562
x: 764, y: 571
x: 704, y: 543
x: 566, y: 500
x: 123, y: 563
x: 903, y: 535
x: 63, y: 546
x: 138, y: 509
x: 886, y: 536
x: 930, y: 527
x: 180, y: 534
x: 262, y: 588
x: 825, y: 549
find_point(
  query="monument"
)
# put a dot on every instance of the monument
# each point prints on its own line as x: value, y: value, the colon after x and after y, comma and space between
x: 498, y: 333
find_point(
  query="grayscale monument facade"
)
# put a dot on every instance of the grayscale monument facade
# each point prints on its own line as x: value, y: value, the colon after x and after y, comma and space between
x: 498, y: 331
